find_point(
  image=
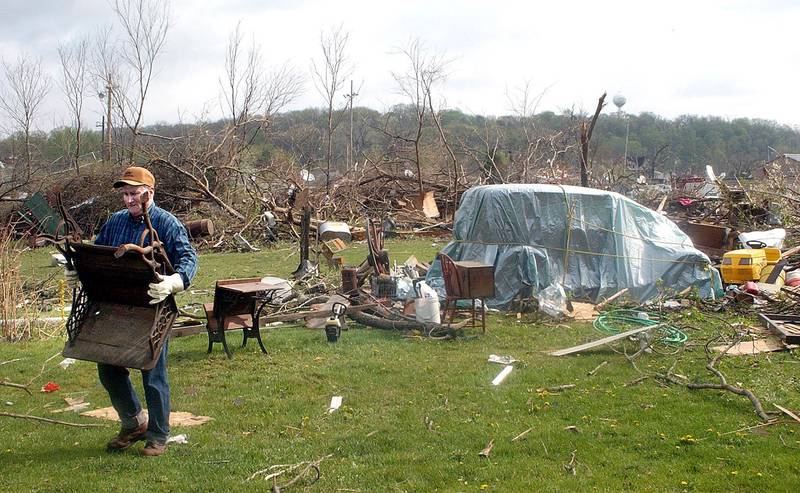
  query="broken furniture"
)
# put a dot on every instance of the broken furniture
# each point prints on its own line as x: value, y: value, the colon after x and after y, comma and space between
x: 112, y: 320
x: 712, y: 239
x: 238, y: 304
x: 787, y: 327
x: 467, y: 280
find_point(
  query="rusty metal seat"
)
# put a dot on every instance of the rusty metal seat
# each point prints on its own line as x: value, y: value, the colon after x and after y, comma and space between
x: 467, y: 280
x: 112, y: 320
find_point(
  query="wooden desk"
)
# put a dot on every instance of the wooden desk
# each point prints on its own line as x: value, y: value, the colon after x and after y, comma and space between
x: 233, y: 298
x: 476, y: 279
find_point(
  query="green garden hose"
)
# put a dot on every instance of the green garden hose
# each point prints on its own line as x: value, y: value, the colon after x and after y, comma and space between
x: 616, y: 321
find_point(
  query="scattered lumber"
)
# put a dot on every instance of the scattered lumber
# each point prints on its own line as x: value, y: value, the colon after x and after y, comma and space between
x: 603, y: 341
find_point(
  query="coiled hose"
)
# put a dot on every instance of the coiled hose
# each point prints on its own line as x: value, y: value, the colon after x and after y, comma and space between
x: 616, y: 321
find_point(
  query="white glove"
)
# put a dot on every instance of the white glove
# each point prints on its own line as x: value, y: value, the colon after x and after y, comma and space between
x: 71, y: 277
x: 165, y: 286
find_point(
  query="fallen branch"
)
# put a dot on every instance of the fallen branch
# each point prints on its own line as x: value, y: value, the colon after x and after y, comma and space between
x: 570, y: 467
x: 591, y: 373
x: 557, y: 388
x: 788, y: 412
x: 53, y: 421
x: 724, y: 385
x: 16, y: 386
x: 521, y: 435
x: 280, y: 469
x: 487, y: 449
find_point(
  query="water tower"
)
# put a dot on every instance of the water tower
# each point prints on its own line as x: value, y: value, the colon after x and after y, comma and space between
x: 619, y: 102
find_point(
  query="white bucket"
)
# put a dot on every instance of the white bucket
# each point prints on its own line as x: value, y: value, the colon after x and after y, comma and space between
x: 426, y: 304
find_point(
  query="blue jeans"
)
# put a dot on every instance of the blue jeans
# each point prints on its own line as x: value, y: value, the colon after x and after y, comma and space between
x: 117, y: 383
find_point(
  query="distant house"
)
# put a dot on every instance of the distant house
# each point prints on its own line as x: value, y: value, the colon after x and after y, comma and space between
x: 788, y: 164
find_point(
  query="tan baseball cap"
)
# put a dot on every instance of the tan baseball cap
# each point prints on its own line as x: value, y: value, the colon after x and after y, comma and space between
x: 136, y: 176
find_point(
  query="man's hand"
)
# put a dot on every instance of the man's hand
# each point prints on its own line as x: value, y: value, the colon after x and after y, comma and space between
x: 71, y: 277
x: 165, y: 286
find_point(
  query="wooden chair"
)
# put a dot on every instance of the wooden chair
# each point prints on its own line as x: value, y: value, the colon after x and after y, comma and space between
x: 467, y: 280
x: 232, y: 310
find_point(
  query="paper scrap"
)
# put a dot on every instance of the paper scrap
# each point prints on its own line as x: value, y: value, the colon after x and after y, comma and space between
x: 76, y: 404
x: 503, y: 360
x: 178, y: 439
x: 336, y: 403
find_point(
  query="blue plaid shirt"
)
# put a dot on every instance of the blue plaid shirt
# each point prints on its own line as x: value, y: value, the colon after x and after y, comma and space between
x: 123, y: 228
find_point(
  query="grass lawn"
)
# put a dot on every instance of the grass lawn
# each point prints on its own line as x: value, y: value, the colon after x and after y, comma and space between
x: 415, y: 414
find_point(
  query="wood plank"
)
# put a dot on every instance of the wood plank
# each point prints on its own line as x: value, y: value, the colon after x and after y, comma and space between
x: 603, y: 341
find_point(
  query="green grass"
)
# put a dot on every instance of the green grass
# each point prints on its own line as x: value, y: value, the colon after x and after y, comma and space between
x: 415, y: 413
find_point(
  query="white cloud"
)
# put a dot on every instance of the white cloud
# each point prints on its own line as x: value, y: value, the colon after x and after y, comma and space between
x: 732, y: 59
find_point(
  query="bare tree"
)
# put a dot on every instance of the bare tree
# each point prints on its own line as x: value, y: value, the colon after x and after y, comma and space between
x: 74, y: 84
x: 283, y: 85
x: 422, y: 72
x: 523, y: 105
x: 26, y: 87
x: 242, y: 87
x: 330, y: 74
x: 212, y: 164
x: 145, y: 24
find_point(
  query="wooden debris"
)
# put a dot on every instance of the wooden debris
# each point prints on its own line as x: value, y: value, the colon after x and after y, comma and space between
x: 273, y: 472
x: 556, y: 388
x: 752, y: 347
x: 52, y: 421
x: 591, y: 373
x: 603, y: 341
x: 488, y: 449
x: 582, y: 311
x: 6, y: 383
x: 788, y: 412
x: 176, y: 418
x: 521, y: 435
x: 570, y: 467
x: 611, y: 298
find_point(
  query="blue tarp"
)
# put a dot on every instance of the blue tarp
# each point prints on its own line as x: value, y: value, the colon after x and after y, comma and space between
x: 606, y: 241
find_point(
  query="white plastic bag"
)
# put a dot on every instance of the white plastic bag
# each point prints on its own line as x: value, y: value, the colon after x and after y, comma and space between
x: 553, y: 300
x: 426, y: 304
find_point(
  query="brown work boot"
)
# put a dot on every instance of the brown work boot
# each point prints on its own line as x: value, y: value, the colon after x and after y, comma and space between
x: 154, y: 449
x: 126, y: 438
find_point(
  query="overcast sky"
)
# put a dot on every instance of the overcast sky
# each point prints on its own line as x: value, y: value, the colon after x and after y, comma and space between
x: 724, y: 58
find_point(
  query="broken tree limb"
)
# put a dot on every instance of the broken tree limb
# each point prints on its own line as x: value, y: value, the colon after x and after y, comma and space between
x: 611, y: 298
x: 52, y: 421
x: 487, y: 449
x: 591, y: 373
x: 521, y: 435
x: 724, y: 385
x: 16, y: 386
x: 433, y: 330
x: 788, y: 412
